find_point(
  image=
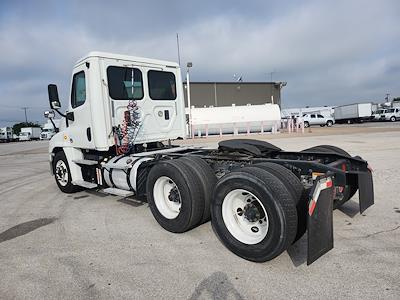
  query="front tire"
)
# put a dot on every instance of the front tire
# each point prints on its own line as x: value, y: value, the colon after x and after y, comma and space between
x: 253, y: 214
x: 329, y: 123
x: 62, y: 174
x: 306, y: 124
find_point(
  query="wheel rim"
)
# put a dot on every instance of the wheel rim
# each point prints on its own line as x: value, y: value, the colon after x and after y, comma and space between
x: 61, y: 173
x: 245, y: 216
x: 329, y: 124
x: 167, y: 197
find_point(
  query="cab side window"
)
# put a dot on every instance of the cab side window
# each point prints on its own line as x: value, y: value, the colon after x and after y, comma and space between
x: 320, y: 116
x: 162, y: 85
x: 312, y: 116
x: 78, y: 92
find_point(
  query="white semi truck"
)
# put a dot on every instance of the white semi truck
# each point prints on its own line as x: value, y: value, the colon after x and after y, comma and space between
x: 6, y: 134
x: 49, y: 129
x: 121, y: 121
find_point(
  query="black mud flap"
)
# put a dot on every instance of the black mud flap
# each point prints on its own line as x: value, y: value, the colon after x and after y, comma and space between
x: 320, y: 219
x: 365, y: 190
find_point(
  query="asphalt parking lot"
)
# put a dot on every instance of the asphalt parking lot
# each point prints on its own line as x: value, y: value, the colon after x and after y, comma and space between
x: 88, y: 245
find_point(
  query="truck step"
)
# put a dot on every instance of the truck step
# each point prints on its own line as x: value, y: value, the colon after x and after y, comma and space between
x: 85, y: 162
x: 118, y: 192
x: 85, y: 184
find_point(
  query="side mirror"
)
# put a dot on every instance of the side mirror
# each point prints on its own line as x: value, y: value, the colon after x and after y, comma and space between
x: 53, y: 96
x: 49, y: 114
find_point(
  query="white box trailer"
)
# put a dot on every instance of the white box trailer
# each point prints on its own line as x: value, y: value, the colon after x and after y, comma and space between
x: 353, y: 113
x: 29, y: 133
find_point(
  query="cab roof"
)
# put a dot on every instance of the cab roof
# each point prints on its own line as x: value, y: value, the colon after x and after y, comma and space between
x: 128, y: 58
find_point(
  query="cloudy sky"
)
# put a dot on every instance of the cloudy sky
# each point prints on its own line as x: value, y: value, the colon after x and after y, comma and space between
x: 329, y: 52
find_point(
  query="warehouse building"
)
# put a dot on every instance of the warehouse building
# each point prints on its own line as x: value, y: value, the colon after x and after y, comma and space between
x: 239, y: 93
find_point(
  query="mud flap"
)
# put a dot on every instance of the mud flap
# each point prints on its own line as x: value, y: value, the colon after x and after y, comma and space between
x: 320, y: 219
x: 365, y: 190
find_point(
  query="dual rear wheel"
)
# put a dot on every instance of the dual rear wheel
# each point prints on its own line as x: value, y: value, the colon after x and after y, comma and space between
x: 253, y: 209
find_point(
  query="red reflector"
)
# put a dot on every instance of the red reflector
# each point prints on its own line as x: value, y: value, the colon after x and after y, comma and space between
x: 329, y: 183
x: 312, y: 207
x: 343, y: 167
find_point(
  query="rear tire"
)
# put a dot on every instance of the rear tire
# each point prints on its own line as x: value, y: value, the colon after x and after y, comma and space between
x: 393, y: 119
x: 306, y: 124
x: 329, y: 123
x: 259, y: 196
x: 207, y: 180
x: 349, y: 190
x: 294, y: 186
x: 175, y: 197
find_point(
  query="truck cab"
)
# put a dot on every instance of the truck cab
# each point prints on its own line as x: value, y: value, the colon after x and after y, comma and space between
x: 102, y: 84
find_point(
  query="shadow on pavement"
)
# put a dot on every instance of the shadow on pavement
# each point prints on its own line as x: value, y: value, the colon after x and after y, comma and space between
x: 24, y: 228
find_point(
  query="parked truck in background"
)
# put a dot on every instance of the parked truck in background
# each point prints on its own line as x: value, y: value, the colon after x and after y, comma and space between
x: 353, y: 113
x: 49, y: 130
x: 29, y: 133
x: 6, y: 134
x: 122, y: 118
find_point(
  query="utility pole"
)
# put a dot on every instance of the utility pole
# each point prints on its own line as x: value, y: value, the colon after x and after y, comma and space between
x: 26, y: 117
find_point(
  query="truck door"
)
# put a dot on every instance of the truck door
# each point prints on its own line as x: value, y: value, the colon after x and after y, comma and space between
x: 162, y: 106
x: 313, y: 119
x: 79, y: 129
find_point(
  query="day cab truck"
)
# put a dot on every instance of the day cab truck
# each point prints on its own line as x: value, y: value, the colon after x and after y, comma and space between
x: 121, y: 122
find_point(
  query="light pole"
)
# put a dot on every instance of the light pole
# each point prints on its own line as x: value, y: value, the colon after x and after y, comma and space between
x: 189, y: 65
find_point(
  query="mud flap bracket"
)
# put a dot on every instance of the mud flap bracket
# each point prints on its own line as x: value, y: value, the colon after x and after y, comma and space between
x: 320, y: 218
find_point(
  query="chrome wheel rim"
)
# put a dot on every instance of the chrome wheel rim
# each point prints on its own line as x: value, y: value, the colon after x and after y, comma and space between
x: 61, y: 173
